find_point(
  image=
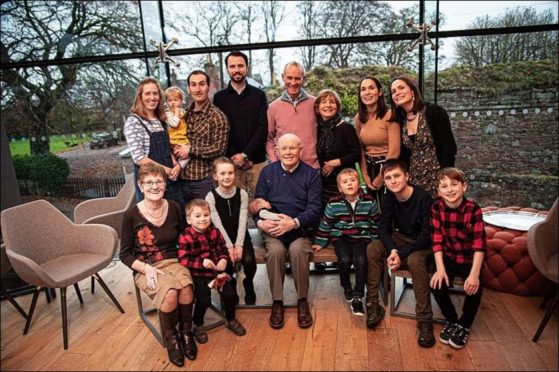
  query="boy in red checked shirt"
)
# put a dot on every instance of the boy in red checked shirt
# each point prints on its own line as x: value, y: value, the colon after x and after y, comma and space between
x: 459, y: 245
x: 202, y: 249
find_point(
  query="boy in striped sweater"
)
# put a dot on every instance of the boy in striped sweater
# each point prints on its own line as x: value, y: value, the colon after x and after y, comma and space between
x: 350, y: 223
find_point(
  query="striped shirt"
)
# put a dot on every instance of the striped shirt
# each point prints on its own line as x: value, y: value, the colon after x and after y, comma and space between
x: 458, y: 232
x: 208, y: 131
x: 341, y: 220
x: 136, y: 136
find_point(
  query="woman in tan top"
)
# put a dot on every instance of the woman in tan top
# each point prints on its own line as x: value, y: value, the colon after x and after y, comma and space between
x: 379, y: 137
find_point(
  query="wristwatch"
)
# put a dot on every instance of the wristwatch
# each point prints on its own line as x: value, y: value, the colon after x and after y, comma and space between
x: 245, y: 156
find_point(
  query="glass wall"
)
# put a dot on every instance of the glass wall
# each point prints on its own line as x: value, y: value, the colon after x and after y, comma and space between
x: 500, y: 89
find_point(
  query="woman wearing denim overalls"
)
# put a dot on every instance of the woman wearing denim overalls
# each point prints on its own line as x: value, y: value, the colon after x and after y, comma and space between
x: 146, y: 135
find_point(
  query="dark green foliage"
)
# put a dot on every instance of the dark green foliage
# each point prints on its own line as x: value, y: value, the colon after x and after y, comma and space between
x: 48, y: 171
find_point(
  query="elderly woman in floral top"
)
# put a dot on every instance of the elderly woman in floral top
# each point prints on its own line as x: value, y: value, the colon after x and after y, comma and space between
x: 149, y: 236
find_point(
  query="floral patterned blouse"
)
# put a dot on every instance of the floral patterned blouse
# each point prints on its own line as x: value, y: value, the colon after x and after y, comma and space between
x: 424, y: 164
x: 141, y: 240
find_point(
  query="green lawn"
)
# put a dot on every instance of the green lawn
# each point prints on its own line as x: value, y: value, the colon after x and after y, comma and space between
x: 57, y: 144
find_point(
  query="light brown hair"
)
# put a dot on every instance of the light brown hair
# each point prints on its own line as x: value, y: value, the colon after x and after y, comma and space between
x: 151, y: 169
x: 451, y: 173
x: 222, y: 160
x: 325, y: 93
x: 196, y: 203
x: 345, y: 171
x: 138, y: 107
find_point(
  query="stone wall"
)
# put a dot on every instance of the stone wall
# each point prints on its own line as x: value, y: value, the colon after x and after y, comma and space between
x: 507, y: 144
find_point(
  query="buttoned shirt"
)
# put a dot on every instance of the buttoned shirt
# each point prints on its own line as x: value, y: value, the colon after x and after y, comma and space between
x: 208, y: 131
x: 196, y: 246
x: 458, y: 232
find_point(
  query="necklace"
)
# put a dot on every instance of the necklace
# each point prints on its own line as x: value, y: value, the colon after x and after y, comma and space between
x: 155, y: 218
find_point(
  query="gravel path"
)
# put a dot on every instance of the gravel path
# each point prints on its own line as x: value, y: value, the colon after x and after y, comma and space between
x: 99, y: 163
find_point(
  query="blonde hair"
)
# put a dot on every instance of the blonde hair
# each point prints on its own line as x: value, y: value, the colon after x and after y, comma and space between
x: 345, y: 171
x: 196, y: 203
x: 174, y: 91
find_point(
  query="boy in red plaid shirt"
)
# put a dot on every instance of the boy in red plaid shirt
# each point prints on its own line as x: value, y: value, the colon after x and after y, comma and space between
x: 459, y: 245
x: 202, y: 249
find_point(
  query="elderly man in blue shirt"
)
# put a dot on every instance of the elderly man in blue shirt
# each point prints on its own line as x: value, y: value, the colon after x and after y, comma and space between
x: 293, y: 189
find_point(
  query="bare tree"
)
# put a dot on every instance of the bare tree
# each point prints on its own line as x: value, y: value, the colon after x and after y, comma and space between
x: 33, y: 30
x: 489, y: 49
x: 273, y: 11
x: 310, y: 12
x: 347, y: 19
x: 247, y: 15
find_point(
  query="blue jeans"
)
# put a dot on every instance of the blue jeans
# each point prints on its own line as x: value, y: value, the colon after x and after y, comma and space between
x: 196, y: 189
x: 352, y: 253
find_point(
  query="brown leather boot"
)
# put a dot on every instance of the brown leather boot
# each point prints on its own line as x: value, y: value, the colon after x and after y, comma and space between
x: 188, y: 343
x: 168, y: 322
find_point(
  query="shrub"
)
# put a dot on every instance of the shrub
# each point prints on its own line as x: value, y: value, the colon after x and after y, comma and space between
x: 48, y: 171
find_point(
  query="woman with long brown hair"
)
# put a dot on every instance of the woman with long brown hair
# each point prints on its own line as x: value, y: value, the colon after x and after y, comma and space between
x: 428, y: 144
x: 380, y: 137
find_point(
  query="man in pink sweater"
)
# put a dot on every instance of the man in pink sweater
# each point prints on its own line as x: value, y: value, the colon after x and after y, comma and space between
x: 293, y: 112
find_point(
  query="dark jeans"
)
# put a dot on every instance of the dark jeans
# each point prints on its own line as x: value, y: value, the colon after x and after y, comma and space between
x: 203, y: 299
x: 418, y: 263
x: 352, y: 253
x: 196, y: 189
x: 471, y: 303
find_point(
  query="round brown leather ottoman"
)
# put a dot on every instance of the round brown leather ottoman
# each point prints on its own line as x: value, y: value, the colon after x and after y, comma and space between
x: 508, y: 267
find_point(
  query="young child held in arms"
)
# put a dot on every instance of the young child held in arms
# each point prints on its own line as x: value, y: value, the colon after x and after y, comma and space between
x: 176, y: 119
x: 350, y: 222
x: 459, y: 245
x: 229, y: 212
x: 203, y: 251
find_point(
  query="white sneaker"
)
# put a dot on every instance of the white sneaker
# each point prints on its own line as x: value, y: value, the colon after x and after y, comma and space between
x: 265, y: 214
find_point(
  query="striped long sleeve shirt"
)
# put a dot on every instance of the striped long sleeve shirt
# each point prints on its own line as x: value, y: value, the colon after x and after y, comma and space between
x: 342, y: 220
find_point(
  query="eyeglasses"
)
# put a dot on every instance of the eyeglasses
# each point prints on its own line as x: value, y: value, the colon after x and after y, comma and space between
x: 157, y: 183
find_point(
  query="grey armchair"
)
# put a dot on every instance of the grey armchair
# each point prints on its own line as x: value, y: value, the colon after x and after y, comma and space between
x: 542, y: 248
x: 48, y: 250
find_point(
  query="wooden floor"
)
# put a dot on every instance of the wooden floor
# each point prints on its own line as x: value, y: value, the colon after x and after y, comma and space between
x: 101, y: 338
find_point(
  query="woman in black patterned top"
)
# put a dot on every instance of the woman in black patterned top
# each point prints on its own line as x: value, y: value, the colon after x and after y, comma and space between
x: 428, y: 144
x: 149, y: 238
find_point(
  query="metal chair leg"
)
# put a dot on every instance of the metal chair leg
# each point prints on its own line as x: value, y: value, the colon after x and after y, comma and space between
x: 64, y: 317
x: 143, y: 314
x: 77, y: 288
x: 108, y: 291
x: 13, y: 302
x: 92, y: 285
x: 31, y: 310
x: 550, y: 310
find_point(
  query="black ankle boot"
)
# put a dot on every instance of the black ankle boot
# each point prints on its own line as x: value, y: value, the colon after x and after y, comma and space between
x: 168, y: 322
x: 250, y: 295
x: 185, y: 328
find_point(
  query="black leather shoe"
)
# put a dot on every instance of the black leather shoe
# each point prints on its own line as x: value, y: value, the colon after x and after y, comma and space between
x: 304, y: 317
x: 276, y: 317
x: 189, y: 345
x: 426, y: 337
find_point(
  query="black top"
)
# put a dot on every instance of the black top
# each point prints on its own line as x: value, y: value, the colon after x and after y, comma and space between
x: 347, y: 148
x: 411, y: 218
x: 248, y: 121
x: 228, y: 210
x: 441, y: 131
x: 141, y: 240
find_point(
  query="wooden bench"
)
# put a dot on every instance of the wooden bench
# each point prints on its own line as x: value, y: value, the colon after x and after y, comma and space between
x: 397, y: 292
x: 324, y: 255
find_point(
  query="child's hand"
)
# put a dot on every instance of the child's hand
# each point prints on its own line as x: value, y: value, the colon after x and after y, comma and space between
x: 471, y: 285
x: 438, y: 278
x: 238, y: 253
x: 208, y: 264
x: 231, y: 251
x: 221, y: 265
x: 316, y: 247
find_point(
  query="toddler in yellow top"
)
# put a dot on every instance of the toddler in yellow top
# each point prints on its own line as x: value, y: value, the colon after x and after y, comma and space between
x: 176, y: 119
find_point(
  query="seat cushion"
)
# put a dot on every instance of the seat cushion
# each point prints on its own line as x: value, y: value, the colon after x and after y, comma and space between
x: 508, y: 267
x: 70, y: 269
